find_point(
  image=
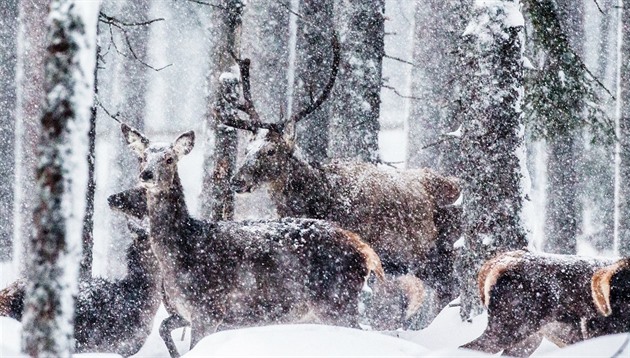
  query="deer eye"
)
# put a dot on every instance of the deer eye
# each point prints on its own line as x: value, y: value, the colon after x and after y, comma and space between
x: 169, y: 161
x: 271, y: 152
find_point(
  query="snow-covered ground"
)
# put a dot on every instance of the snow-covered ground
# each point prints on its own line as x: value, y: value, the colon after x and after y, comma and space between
x: 440, y: 339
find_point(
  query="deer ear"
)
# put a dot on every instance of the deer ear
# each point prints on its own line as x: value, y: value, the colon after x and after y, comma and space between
x: 135, y: 140
x: 288, y: 132
x: 184, y: 143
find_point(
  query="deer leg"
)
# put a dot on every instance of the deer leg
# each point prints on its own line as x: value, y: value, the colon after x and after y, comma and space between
x: 166, y: 327
x: 201, y: 328
x: 526, y: 347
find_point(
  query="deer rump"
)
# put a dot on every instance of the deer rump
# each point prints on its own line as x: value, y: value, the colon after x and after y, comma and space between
x: 258, y: 272
x: 529, y: 296
x: 392, y: 210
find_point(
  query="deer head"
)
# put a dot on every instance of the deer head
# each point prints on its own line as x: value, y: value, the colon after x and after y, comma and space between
x: 158, y: 162
x: 274, y: 143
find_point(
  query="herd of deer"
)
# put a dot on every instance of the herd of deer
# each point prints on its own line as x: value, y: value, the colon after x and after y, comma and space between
x: 341, y: 224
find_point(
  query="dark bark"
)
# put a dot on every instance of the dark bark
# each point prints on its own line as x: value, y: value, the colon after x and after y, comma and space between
x: 622, y: 234
x: 8, y: 101
x: 313, y: 60
x: 85, y: 268
x: 48, y: 318
x: 217, y: 199
x: 356, y: 105
x: 436, y: 41
x: 563, y: 209
x: 490, y: 143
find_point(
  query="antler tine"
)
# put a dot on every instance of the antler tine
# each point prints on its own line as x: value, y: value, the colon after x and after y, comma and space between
x: 328, y: 88
x: 252, y: 126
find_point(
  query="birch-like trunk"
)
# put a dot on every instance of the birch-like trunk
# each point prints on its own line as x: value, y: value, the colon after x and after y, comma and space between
x: 54, y: 248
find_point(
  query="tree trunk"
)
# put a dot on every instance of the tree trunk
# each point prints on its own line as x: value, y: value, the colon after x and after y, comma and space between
x: 622, y: 182
x: 217, y: 198
x: 62, y: 178
x: 129, y: 89
x: 436, y: 40
x: 8, y: 55
x: 492, y: 141
x: 313, y: 60
x: 30, y: 96
x: 564, y: 218
x: 356, y: 97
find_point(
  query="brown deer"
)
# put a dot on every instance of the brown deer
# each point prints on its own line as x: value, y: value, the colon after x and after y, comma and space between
x: 240, y: 274
x: 565, y: 298
x: 393, y: 210
x: 133, y: 203
x: 110, y: 316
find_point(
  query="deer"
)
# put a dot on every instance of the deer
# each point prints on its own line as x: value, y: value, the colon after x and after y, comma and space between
x: 240, y: 274
x: 392, y: 210
x: 133, y: 204
x: 110, y: 315
x: 564, y: 298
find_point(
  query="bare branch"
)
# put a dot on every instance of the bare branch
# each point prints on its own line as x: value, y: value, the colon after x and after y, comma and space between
x: 207, y: 4
x: 598, y: 7
x: 398, y: 93
x: 122, y: 26
x: 399, y: 60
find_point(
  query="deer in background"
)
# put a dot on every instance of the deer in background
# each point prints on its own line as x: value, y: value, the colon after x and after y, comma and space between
x: 240, y: 274
x: 393, y: 210
x: 110, y: 316
x: 565, y: 298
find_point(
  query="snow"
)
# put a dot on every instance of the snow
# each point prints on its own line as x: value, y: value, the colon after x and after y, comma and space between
x: 440, y: 339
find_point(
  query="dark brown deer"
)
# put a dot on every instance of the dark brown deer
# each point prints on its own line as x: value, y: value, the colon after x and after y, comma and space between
x: 241, y: 274
x: 393, y: 210
x: 564, y: 298
x: 110, y: 316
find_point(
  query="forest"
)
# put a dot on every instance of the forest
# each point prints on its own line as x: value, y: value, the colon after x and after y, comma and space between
x: 314, y: 178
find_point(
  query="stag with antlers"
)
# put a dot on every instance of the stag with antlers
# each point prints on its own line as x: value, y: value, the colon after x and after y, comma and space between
x: 393, y: 210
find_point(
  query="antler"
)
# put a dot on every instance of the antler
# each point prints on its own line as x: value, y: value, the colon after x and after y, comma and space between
x: 328, y: 88
x: 247, y: 106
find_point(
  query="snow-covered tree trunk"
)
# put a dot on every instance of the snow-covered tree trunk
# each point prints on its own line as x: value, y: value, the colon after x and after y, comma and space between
x: 492, y: 141
x: 313, y: 61
x: 61, y: 180
x: 436, y: 40
x: 266, y: 42
x: 129, y: 89
x: 622, y: 182
x: 563, y: 208
x: 217, y: 198
x: 8, y: 55
x: 356, y: 97
x: 30, y: 96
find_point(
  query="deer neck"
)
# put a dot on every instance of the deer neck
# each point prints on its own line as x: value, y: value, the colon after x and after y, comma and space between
x: 302, y: 188
x: 167, y: 207
x: 142, y: 267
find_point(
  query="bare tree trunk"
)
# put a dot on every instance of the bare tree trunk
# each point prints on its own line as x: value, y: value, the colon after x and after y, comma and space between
x: 563, y: 207
x: 129, y: 91
x: 622, y: 182
x: 8, y: 56
x: 312, y: 65
x: 436, y: 40
x: 85, y: 267
x: 492, y: 142
x: 217, y: 198
x: 61, y: 177
x: 356, y: 97
x: 30, y: 96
